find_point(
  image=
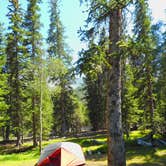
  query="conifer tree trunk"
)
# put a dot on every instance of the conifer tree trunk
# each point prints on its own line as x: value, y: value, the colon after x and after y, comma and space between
x: 7, y: 132
x: 17, y: 101
x: 41, y: 111
x: 33, y: 44
x: 116, y: 149
x: 34, y: 125
x: 15, y: 56
x: 151, y: 101
x: 63, y: 114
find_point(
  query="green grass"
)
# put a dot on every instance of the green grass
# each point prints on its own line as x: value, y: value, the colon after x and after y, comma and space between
x: 136, y: 155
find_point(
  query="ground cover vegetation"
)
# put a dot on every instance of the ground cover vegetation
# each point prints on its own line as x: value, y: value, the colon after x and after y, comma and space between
x: 123, y: 89
x: 95, y: 149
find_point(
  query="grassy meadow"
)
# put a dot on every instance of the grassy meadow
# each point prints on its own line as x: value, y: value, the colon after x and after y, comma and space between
x: 94, y: 149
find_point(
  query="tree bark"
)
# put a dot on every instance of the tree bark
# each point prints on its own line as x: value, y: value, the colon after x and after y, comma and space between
x: 18, y: 141
x: 7, y: 132
x: 34, y: 123
x: 17, y: 93
x: 150, y: 102
x: 63, y: 116
x: 62, y: 106
x: 116, y: 149
x: 41, y: 113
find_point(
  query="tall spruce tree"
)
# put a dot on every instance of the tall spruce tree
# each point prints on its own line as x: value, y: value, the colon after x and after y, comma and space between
x: 144, y: 62
x: 94, y: 91
x: 15, y: 58
x: 33, y: 44
x: 111, y: 12
x: 160, y: 119
x: 115, y: 131
x: 61, y: 76
x: 56, y: 48
x: 3, y: 85
x: 130, y: 113
x: 91, y: 64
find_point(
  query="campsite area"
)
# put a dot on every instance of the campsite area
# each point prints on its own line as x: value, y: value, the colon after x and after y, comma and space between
x: 82, y: 78
x: 94, y: 149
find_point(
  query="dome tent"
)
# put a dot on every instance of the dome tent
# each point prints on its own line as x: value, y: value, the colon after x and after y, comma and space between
x: 62, y: 154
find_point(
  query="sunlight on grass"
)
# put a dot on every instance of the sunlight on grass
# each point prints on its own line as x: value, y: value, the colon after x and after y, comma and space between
x: 137, y: 134
x: 161, y: 153
x: 135, y: 160
x: 19, y: 163
x: 146, y: 156
x: 136, y: 155
x: 96, y: 163
x: 91, y: 148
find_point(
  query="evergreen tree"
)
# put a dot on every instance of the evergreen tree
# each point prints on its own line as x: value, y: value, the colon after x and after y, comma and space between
x: 130, y: 113
x: 91, y: 64
x: 160, y: 118
x: 144, y: 62
x: 100, y: 12
x: 55, y: 38
x: 96, y: 102
x: 33, y: 44
x: 15, y: 60
x: 115, y: 138
x: 3, y: 85
x: 80, y: 118
x: 61, y: 77
x: 62, y: 96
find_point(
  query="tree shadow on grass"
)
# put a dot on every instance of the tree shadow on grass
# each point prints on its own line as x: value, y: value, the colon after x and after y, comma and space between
x: 28, y: 153
x: 13, y: 149
x: 147, y: 164
x: 96, y: 157
x: 149, y: 156
x: 87, y: 141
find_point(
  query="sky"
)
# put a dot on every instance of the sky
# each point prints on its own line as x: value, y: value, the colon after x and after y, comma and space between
x: 73, y: 18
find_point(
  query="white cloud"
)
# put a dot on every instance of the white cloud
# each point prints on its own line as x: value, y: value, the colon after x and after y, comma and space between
x: 158, y: 8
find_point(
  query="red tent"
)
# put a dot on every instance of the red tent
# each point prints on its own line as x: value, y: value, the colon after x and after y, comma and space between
x: 62, y: 154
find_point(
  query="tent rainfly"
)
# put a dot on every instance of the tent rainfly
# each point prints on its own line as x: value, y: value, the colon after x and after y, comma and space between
x: 62, y: 154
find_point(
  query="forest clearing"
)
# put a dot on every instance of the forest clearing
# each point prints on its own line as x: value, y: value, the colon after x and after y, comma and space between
x: 136, y: 155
